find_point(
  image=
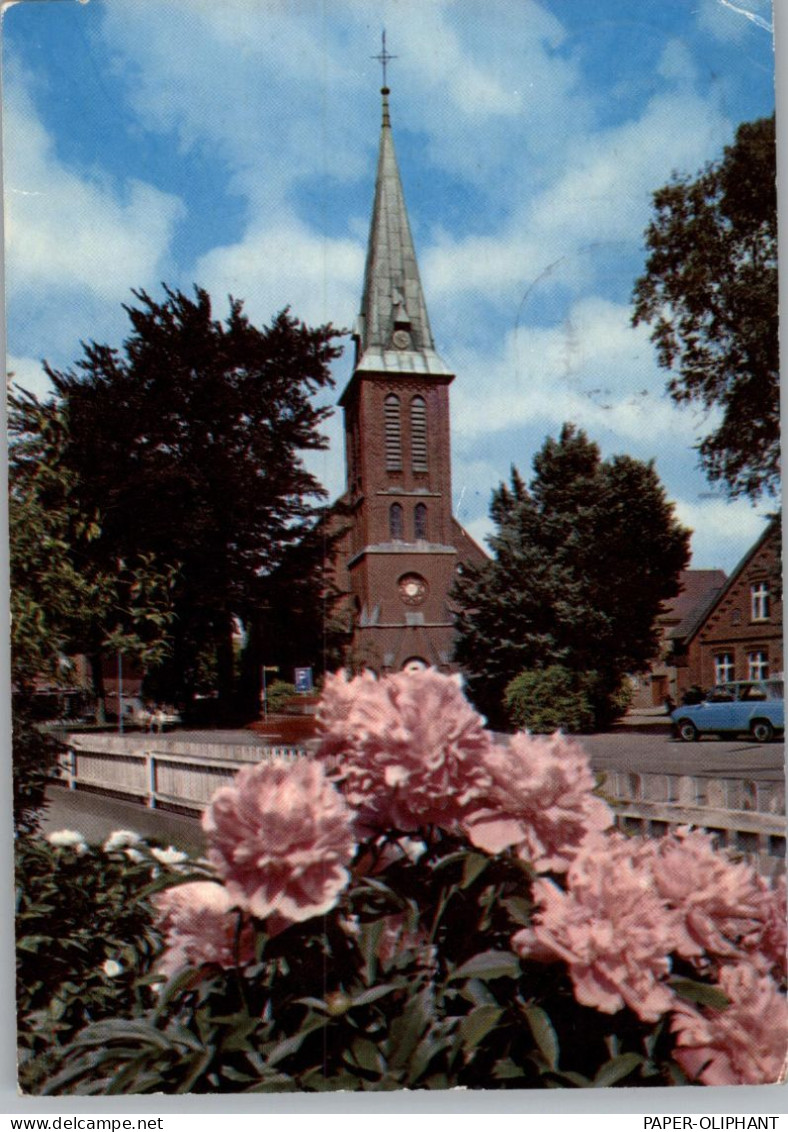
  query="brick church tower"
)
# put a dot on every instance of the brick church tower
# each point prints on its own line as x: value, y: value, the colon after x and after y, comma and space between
x: 403, y: 547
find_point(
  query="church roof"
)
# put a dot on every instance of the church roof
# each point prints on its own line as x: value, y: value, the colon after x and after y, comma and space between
x: 393, y: 299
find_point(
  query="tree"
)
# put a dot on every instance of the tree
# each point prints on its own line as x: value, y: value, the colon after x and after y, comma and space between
x: 582, y: 560
x: 61, y: 601
x: 710, y: 292
x: 184, y: 449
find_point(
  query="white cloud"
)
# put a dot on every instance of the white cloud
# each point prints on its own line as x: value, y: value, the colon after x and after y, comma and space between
x: 29, y: 374
x: 595, y: 369
x: 723, y: 530
x: 69, y: 230
x: 731, y: 21
x: 287, y: 264
x: 602, y: 197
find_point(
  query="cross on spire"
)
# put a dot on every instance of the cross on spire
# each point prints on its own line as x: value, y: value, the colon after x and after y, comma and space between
x: 384, y: 58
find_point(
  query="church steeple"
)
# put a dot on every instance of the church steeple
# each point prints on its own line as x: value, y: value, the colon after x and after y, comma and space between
x: 401, y: 546
x: 393, y: 330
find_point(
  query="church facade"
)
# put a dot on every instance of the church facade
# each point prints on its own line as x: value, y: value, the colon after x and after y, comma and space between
x: 402, y: 547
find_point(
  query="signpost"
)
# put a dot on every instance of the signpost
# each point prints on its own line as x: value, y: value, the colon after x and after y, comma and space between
x: 303, y: 681
x: 264, y: 693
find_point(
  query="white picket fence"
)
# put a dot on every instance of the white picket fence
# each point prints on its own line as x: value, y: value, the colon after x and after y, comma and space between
x: 744, y: 814
x: 160, y: 771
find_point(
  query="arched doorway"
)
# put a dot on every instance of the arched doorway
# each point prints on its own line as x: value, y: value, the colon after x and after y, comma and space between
x: 415, y: 664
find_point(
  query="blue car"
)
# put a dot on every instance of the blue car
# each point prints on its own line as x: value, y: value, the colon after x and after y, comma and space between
x: 753, y: 706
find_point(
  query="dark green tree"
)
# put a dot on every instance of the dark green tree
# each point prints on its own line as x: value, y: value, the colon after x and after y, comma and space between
x: 62, y: 600
x: 709, y: 290
x: 184, y: 448
x: 582, y: 560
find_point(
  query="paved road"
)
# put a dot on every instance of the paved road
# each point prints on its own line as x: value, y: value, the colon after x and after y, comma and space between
x: 96, y: 816
x: 726, y: 758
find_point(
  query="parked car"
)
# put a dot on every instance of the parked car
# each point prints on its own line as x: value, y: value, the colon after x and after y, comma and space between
x: 149, y: 717
x: 753, y: 706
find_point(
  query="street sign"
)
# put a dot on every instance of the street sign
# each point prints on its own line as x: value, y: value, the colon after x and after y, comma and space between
x: 303, y: 680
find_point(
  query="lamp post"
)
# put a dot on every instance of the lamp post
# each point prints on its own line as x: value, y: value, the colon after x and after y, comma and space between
x: 267, y: 668
x: 120, y: 692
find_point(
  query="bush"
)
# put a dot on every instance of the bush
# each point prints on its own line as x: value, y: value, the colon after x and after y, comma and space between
x: 85, y: 939
x: 34, y: 764
x: 544, y: 700
x: 421, y: 907
x: 278, y: 693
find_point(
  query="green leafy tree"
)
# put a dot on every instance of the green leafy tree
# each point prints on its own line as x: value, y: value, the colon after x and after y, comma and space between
x: 582, y: 560
x: 709, y: 290
x: 63, y: 599
x: 186, y: 444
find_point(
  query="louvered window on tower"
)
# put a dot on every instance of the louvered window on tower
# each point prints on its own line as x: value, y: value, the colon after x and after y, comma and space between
x: 418, y: 434
x: 391, y: 416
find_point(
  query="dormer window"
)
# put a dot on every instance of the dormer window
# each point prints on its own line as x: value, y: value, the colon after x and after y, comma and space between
x: 759, y: 601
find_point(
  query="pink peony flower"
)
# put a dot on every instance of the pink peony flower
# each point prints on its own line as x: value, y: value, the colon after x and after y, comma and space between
x: 610, y: 927
x: 774, y: 941
x: 200, y: 925
x: 409, y: 748
x: 280, y: 838
x: 541, y: 802
x: 722, y: 907
x: 745, y: 1044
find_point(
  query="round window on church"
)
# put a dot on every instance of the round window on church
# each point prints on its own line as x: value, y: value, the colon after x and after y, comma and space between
x: 413, y: 589
x: 415, y: 664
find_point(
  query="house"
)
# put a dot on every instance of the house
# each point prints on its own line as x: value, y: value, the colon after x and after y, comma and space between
x: 738, y: 634
x: 665, y: 678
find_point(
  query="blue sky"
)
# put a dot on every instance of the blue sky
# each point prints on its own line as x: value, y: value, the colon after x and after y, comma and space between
x: 233, y: 145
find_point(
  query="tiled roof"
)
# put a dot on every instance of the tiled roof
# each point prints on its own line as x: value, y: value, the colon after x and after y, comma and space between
x: 698, y: 588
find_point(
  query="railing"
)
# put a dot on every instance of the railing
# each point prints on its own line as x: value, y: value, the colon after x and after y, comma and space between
x: 744, y: 814
x: 159, y: 771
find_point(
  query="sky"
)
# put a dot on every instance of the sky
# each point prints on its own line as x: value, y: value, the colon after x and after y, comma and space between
x: 233, y: 145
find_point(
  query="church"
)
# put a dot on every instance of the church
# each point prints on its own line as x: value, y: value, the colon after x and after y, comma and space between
x: 402, y: 547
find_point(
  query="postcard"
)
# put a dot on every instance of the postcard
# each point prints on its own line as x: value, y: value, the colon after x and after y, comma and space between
x: 395, y: 543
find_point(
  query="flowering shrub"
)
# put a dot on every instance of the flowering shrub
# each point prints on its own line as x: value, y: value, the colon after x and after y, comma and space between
x: 421, y: 907
x: 86, y: 932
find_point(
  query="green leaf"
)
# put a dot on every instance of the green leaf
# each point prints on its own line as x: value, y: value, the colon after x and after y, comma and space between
x: 406, y: 1031
x: 506, y: 1070
x: 373, y: 994
x: 367, y: 1056
x: 544, y: 1034
x: 489, y: 965
x: 702, y: 993
x: 617, y: 1069
x: 292, y: 1044
x: 475, y: 1026
x: 519, y: 909
x: 473, y: 866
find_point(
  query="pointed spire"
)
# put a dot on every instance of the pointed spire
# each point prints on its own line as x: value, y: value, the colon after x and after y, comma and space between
x: 393, y: 319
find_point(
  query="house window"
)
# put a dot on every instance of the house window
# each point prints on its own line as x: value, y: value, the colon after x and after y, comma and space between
x: 759, y: 602
x: 418, y: 434
x: 723, y: 668
x: 758, y: 665
x: 396, y: 521
x: 420, y: 521
x: 393, y: 430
